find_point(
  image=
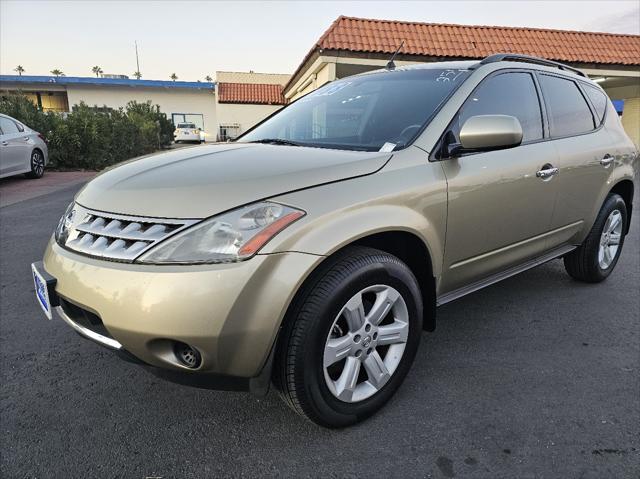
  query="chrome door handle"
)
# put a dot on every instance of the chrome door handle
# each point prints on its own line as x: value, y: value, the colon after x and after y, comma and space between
x: 4, y: 143
x: 606, y: 160
x: 547, y: 172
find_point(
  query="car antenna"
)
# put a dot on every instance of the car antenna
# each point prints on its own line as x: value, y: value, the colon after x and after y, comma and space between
x: 390, y: 64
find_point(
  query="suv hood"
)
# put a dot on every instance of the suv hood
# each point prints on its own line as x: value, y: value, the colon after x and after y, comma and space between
x: 203, y: 181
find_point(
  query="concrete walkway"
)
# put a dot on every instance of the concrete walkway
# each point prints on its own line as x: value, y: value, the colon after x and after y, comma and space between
x: 18, y: 188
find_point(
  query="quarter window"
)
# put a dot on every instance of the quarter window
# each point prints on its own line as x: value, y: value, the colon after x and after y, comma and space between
x: 511, y: 94
x: 599, y: 101
x: 569, y: 112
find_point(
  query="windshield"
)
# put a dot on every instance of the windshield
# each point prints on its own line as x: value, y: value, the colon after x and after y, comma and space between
x: 362, y: 113
x: 186, y: 125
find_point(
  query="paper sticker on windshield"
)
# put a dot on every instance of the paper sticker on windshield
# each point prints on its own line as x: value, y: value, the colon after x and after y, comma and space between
x: 387, y: 147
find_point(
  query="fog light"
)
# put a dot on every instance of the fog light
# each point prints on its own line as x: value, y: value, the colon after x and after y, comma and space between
x: 187, y: 355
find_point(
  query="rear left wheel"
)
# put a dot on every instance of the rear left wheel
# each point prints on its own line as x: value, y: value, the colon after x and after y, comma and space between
x: 594, y: 260
x: 37, y: 165
x: 351, y: 339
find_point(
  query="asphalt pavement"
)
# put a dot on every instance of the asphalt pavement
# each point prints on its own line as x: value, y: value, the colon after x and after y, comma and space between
x: 534, y: 377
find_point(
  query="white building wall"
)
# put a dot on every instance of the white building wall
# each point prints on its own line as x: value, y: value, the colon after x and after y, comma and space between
x: 173, y: 100
x: 244, y: 115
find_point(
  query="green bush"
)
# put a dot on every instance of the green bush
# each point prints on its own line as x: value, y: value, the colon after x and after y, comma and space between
x: 93, y: 138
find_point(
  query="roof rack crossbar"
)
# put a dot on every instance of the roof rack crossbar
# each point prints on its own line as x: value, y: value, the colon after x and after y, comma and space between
x: 502, y: 57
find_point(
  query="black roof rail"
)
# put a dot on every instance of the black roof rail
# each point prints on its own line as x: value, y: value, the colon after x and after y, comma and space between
x: 516, y: 57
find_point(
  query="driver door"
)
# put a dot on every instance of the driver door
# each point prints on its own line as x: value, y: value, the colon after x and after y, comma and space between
x: 499, y: 211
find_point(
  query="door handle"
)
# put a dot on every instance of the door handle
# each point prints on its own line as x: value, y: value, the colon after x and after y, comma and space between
x: 547, y: 171
x: 4, y: 143
x: 606, y: 160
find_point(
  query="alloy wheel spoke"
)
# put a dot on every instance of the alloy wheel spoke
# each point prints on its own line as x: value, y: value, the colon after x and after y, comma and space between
x: 383, y: 304
x: 337, y: 349
x: 614, y: 239
x: 615, y: 220
x: 354, y: 313
x: 377, y: 372
x: 348, y: 380
x: 607, y: 255
x: 397, y: 332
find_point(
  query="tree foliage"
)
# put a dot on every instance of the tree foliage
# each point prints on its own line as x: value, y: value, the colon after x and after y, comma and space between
x: 91, y: 137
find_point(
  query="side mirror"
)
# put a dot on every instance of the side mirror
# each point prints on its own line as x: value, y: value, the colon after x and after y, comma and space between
x: 487, y: 132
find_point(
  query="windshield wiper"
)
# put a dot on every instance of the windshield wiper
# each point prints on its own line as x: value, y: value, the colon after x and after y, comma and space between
x: 277, y: 141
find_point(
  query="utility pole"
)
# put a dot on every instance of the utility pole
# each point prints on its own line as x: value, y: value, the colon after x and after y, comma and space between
x: 137, y: 61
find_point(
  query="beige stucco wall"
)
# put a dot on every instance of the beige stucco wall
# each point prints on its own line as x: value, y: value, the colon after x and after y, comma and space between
x: 171, y: 100
x: 252, y: 77
x: 631, y: 119
x: 244, y: 115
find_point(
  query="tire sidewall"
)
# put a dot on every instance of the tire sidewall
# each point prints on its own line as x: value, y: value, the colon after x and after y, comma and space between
x: 337, y: 412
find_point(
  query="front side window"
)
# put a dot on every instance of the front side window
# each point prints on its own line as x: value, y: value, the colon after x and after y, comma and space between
x: 512, y: 94
x: 363, y: 112
x: 8, y: 127
x: 569, y: 113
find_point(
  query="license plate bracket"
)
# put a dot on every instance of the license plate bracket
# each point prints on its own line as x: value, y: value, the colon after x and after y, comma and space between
x: 45, y: 288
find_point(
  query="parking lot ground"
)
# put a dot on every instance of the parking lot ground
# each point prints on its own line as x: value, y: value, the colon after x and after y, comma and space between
x: 535, y: 377
x: 19, y: 188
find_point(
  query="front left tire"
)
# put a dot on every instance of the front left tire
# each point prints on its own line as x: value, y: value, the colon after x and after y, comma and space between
x: 350, y: 338
x: 37, y: 165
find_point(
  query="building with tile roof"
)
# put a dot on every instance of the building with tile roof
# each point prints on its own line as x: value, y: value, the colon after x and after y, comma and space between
x: 355, y: 45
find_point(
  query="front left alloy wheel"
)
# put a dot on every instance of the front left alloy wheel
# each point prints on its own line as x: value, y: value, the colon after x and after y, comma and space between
x: 350, y: 338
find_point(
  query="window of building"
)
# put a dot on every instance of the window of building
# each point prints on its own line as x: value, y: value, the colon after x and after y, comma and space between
x: 229, y: 131
x: 569, y: 112
x: 512, y: 94
x: 599, y: 101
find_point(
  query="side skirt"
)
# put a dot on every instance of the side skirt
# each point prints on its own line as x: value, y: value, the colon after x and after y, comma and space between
x: 507, y: 273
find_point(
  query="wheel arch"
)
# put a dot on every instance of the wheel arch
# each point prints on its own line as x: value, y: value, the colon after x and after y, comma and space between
x: 406, y: 246
x: 625, y: 188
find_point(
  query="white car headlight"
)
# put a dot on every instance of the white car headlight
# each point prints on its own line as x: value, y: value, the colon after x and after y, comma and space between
x: 62, y: 230
x: 233, y: 236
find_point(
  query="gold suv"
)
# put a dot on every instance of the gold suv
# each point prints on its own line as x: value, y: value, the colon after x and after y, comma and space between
x: 315, y: 249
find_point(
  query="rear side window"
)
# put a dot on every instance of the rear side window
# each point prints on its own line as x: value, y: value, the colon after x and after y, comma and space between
x: 599, y: 101
x: 511, y: 94
x: 8, y: 127
x: 569, y: 113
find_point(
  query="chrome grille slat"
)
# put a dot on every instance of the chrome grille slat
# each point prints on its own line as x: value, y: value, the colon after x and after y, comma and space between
x: 118, y: 237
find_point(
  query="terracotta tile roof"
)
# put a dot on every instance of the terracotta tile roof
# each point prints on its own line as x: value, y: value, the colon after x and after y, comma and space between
x: 255, y: 93
x: 469, y: 41
x: 474, y: 41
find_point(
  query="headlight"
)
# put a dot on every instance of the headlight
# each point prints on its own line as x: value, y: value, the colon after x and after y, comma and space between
x: 62, y: 230
x: 233, y: 236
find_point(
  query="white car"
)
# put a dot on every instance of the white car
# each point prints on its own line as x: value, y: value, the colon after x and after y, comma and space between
x: 188, y: 132
x: 22, y: 150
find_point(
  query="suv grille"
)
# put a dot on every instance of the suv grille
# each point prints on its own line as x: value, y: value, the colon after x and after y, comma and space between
x: 118, y: 237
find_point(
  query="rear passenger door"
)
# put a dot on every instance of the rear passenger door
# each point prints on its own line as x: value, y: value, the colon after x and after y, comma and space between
x: 498, y: 209
x: 583, y: 149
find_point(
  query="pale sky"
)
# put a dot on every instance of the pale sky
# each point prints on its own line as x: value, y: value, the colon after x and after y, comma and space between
x: 194, y: 39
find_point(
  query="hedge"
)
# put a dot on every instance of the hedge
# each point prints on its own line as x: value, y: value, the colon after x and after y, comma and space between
x: 90, y: 137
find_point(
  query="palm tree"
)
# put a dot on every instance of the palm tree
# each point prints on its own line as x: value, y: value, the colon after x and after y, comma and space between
x: 138, y: 75
x: 97, y: 70
x: 19, y: 69
x: 208, y: 78
x: 57, y: 72
x: 173, y: 77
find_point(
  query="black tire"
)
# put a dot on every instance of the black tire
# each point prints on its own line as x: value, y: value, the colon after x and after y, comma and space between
x: 37, y: 165
x: 176, y: 141
x: 299, y: 371
x: 582, y: 263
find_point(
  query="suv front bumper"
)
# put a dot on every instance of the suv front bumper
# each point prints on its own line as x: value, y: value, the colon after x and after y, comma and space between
x: 230, y: 313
